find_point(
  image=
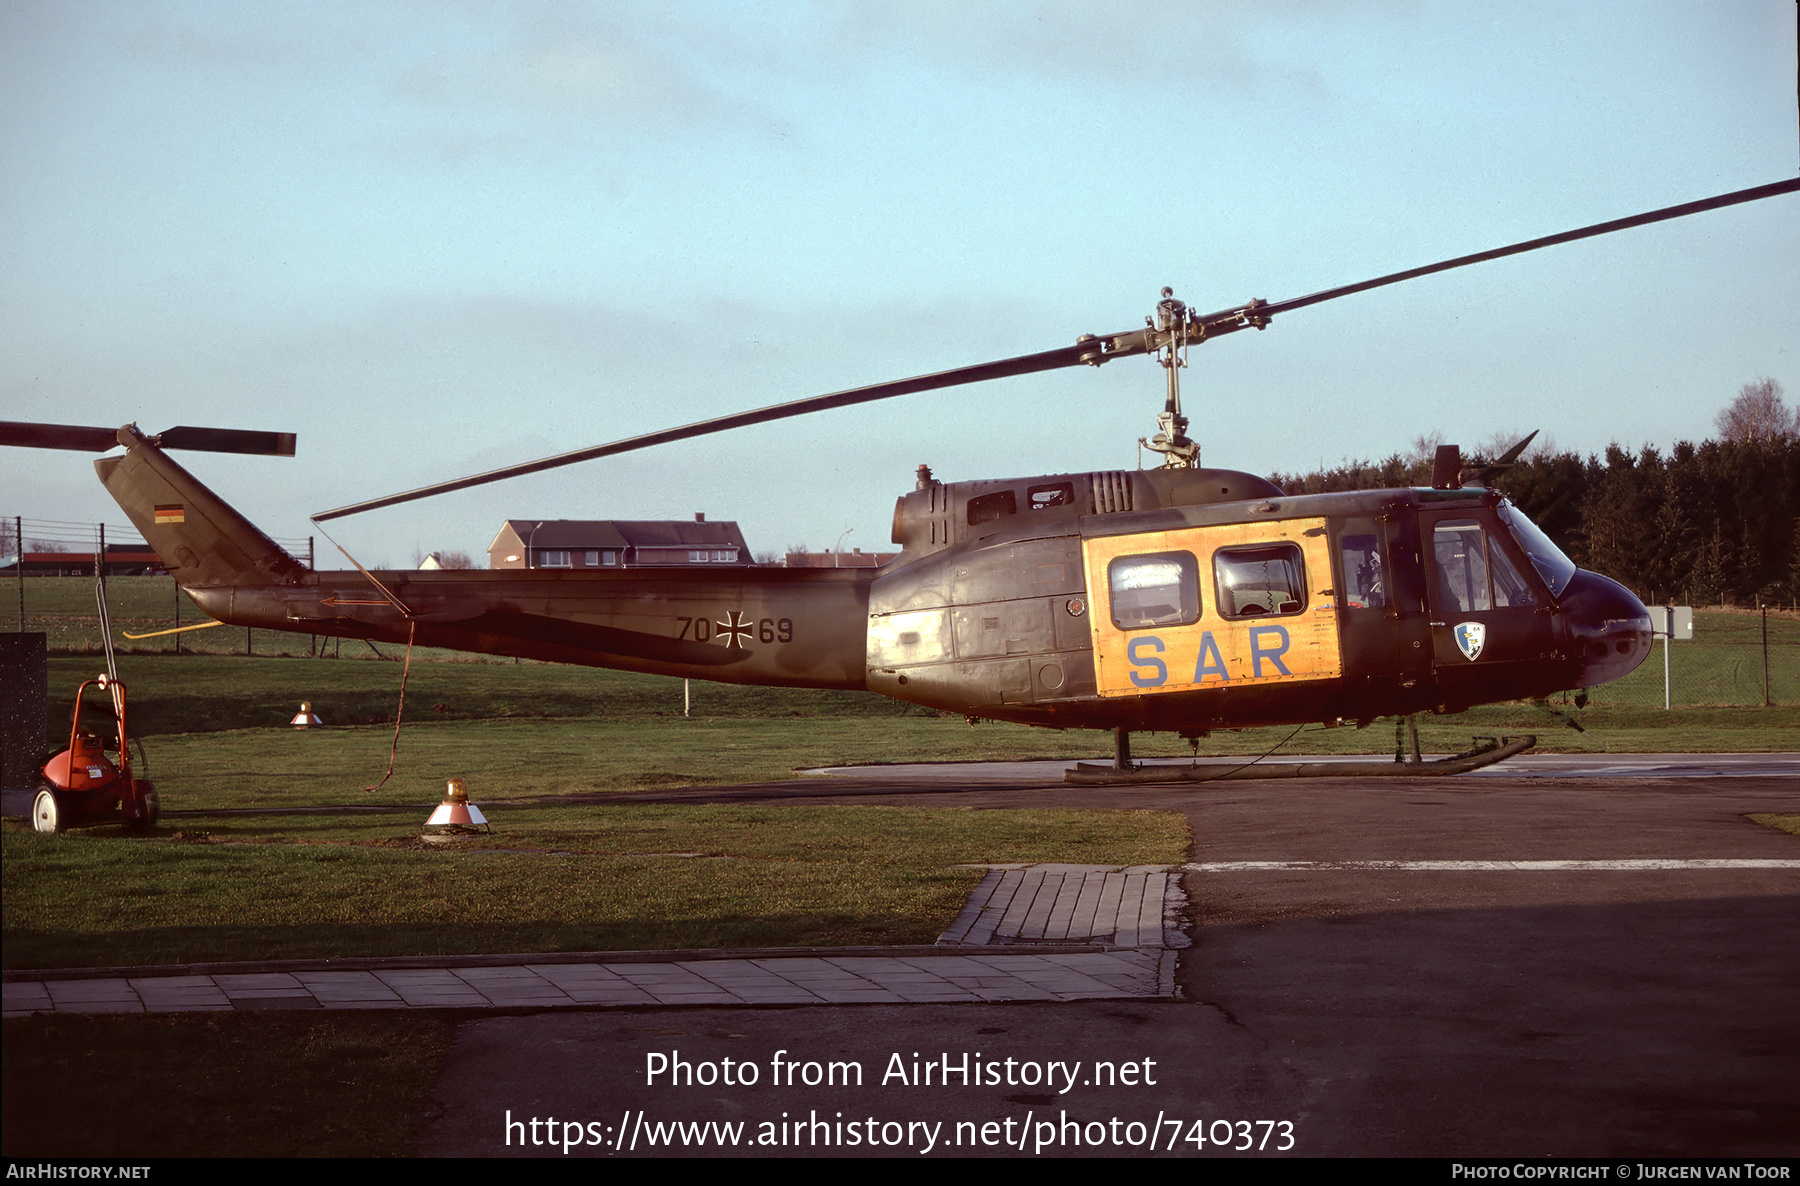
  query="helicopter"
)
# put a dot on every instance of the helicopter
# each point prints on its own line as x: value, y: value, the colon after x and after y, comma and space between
x: 1176, y: 599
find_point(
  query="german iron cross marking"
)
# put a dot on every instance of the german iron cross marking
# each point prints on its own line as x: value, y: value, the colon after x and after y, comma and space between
x: 729, y: 631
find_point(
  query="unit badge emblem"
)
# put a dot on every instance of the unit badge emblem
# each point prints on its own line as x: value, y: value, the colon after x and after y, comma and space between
x: 1469, y: 639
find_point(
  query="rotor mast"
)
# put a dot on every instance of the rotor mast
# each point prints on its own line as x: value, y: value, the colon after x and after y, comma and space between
x: 1168, y: 336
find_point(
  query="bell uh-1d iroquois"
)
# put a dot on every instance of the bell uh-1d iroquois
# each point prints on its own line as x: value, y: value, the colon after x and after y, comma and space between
x: 1177, y: 599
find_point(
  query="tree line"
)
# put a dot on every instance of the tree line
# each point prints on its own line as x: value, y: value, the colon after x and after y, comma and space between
x: 1712, y: 523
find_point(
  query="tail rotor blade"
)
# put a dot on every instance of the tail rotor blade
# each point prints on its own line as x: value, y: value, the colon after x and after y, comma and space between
x: 58, y: 436
x: 98, y: 440
x: 228, y: 440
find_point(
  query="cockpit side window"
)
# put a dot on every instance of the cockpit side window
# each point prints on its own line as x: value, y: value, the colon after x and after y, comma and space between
x: 1460, y: 554
x: 1556, y: 568
x: 1510, y: 589
x: 1473, y: 570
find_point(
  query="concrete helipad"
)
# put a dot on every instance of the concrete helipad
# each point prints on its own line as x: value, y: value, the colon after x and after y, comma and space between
x: 1121, y: 906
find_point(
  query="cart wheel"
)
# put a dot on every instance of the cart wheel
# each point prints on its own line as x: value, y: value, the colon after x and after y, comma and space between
x: 47, y: 812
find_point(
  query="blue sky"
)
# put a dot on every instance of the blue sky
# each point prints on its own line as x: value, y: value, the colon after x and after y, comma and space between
x: 436, y: 238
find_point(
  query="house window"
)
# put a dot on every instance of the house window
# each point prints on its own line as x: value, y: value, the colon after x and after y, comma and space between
x: 609, y: 558
x: 548, y: 558
x: 590, y: 559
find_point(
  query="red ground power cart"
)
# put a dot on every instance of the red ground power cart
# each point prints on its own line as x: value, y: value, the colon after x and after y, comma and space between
x: 83, y: 787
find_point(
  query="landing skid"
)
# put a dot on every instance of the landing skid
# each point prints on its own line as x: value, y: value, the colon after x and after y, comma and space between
x: 1486, y: 752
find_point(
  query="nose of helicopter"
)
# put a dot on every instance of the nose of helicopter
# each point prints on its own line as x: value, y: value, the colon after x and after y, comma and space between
x: 1609, y: 628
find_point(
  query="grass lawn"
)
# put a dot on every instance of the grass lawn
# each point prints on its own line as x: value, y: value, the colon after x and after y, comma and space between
x: 527, y: 738
x: 548, y: 879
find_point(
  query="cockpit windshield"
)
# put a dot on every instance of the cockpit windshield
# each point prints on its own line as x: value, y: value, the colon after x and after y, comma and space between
x: 1546, y: 557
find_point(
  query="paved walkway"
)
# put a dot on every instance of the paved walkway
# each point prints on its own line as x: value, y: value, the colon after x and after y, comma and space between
x: 1122, y: 923
x: 809, y: 980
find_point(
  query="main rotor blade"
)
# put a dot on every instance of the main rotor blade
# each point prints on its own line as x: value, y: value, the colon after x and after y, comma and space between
x: 1090, y: 351
x: 1025, y: 364
x: 1587, y: 232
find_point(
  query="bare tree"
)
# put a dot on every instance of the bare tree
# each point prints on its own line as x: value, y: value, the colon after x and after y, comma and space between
x: 1758, y: 414
x: 1424, y: 447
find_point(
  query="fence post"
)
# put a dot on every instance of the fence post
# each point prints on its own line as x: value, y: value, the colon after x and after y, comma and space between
x: 1668, y: 630
x: 1765, y: 632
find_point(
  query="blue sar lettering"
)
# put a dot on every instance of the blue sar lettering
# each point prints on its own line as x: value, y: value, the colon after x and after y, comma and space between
x: 1161, y: 671
x: 1211, y: 662
x: 1273, y: 654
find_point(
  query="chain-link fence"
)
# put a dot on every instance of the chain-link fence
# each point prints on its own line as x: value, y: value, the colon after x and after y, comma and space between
x: 47, y: 569
x: 65, y: 610
x: 1727, y: 662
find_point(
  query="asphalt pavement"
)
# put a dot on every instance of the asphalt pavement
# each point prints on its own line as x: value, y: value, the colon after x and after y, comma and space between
x: 1591, y: 961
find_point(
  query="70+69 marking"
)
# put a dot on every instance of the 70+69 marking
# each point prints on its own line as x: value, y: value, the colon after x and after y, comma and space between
x: 737, y: 630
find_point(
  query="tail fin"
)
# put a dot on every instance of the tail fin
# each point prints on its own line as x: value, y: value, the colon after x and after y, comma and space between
x: 201, y: 539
